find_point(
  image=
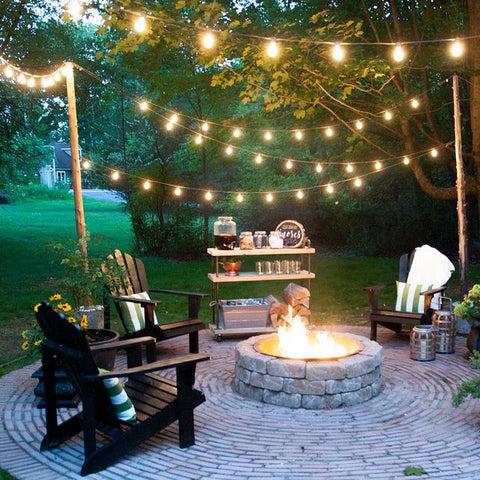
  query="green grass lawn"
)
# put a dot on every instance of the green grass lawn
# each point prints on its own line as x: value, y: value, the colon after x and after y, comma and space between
x: 29, y: 272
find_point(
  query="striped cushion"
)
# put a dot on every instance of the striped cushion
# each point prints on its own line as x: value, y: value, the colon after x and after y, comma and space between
x: 123, y: 406
x: 409, y: 298
x: 133, y: 314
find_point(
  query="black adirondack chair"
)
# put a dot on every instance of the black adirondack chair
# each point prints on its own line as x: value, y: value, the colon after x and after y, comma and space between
x: 394, y: 319
x: 134, y: 280
x: 158, y: 401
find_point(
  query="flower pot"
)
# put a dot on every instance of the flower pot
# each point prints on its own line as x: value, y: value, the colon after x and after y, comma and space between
x: 102, y: 336
x: 473, y: 339
x: 95, y: 315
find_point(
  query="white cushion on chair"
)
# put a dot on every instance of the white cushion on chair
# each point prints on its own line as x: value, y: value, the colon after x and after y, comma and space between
x: 409, y: 298
x: 133, y: 314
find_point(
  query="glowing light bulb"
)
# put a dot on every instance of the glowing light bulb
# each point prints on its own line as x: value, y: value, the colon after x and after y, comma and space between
x: 388, y: 115
x: 208, y: 40
x: 329, y: 132
x: 357, y: 182
x: 406, y: 160
x: 269, y: 197
x: 359, y: 124
x: 338, y: 53
x: 456, y: 48
x: 140, y: 24
x: 44, y: 83
x: 329, y: 188
x: 398, y: 53
x: 143, y: 105
x: 31, y: 82
x: 349, y: 168
x: 21, y: 79
x: 289, y: 165
x: 169, y: 126
x: 272, y: 49
x: 177, y: 191
x: 318, y: 167
x: 56, y: 76
x: 198, y: 139
x: 414, y: 103
x: 268, y: 135
x: 258, y: 159
x: 115, y: 175
x: 229, y: 150
x: 237, y: 133
x: 434, y: 152
x: 147, y: 185
x: 74, y: 8
x: 174, y: 118
x: 208, y: 196
x: 378, y: 165
x: 50, y: 82
x: 8, y: 71
x: 300, y: 194
x: 239, y: 198
x: 298, y: 134
x: 205, y: 126
x: 86, y: 164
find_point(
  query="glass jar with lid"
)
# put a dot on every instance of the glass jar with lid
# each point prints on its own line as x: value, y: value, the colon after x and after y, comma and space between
x: 225, y: 233
x: 246, y: 241
x: 274, y: 240
x: 260, y: 239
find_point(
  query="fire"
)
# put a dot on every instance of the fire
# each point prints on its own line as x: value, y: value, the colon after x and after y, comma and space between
x: 296, y: 342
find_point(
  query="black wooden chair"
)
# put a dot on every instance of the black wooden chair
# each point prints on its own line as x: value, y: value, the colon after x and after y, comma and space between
x: 133, y: 280
x: 394, y: 319
x: 158, y: 401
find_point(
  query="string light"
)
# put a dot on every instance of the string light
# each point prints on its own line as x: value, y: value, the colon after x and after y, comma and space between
x: 300, y: 194
x: 398, y: 53
x: 434, y: 152
x: 414, y: 103
x: 174, y: 118
x: 258, y: 159
x: 298, y: 134
x: 198, y: 139
x: 237, y: 133
x: 329, y: 188
x: 388, y: 115
x: 21, y: 79
x: 140, y: 24
x: 349, y: 168
x: 269, y: 198
x: 205, y: 126
x: 208, y: 40
x: 115, y: 175
x: 239, y: 198
x: 357, y: 182
x: 456, y: 49
x: 74, y: 8
x: 272, y: 49
x: 147, y: 185
x: 229, y: 150
x: 268, y: 135
x: 86, y: 164
x: 359, y: 124
x: 208, y: 195
x: 8, y: 72
x: 31, y: 82
x: 378, y: 165
x: 143, y: 105
x: 329, y: 132
x: 338, y: 53
x: 318, y: 167
x: 406, y: 160
x: 289, y: 165
x: 57, y: 77
x: 177, y: 191
x: 169, y: 126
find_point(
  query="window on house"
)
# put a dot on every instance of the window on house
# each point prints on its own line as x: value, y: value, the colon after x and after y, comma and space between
x: 61, y: 176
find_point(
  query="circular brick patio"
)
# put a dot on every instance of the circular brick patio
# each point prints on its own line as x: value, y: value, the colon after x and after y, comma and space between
x: 410, y: 423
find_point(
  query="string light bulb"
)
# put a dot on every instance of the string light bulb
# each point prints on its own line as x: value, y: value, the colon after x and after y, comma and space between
x: 434, y: 152
x: 208, y: 40
x: 229, y: 150
x: 21, y: 79
x: 31, y: 82
x: 258, y: 159
x: 318, y: 167
x: 147, y: 185
x: 86, y: 165
x: 239, y: 198
x: 298, y: 134
x: 268, y: 135
x: 198, y: 139
x: 237, y: 133
x: 177, y: 191
x: 414, y: 103
x: 378, y: 165
x: 269, y: 198
x: 115, y: 175
x: 329, y: 132
x: 143, y: 105
x: 208, y: 195
x: 357, y: 182
x: 388, y: 115
x: 406, y: 160
x: 456, y: 48
x: 330, y: 188
x: 205, y: 126
x: 398, y: 53
x: 289, y: 165
x: 338, y: 53
x: 359, y: 124
x: 74, y: 8
x: 173, y: 118
x: 8, y: 71
x: 140, y: 24
x: 300, y: 194
x: 272, y: 48
x: 349, y: 168
x: 56, y: 76
x: 169, y: 126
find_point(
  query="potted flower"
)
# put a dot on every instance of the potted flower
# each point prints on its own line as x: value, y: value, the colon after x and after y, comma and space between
x: 469, y: 309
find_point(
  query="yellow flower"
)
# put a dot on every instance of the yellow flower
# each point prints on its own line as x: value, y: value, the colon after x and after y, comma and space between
x: 25, y: 345
x: 38, y: 343
x: 55, y: 297
x: 84, y: 321
x: 35, y: 308
x: 64, y: 306
x: 72, y: 319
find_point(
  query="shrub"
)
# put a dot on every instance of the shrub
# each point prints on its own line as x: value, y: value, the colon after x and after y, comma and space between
x: 5, y: 198
x: 37, y: 192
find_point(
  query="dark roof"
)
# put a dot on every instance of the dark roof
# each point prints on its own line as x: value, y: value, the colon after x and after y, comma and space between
x: 63, y: 156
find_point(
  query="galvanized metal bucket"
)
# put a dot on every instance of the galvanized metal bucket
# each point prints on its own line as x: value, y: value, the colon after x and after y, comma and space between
x: 443, y: 322
x: 422, y: 343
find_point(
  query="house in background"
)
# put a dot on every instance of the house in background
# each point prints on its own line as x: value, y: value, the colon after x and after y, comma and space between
x: 58, y: 169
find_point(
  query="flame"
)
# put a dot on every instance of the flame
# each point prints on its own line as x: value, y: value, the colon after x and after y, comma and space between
x: 296, y: 342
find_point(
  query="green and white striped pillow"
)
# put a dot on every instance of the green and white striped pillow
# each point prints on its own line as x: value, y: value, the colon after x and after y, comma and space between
x: 409, y: 298
x: 133, y: 314
x: 123, y: 406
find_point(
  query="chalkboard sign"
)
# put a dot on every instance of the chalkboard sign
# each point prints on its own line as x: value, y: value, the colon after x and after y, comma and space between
x: 292, y: 233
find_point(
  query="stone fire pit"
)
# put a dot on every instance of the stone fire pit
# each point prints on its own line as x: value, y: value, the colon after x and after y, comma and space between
x: 309, y: 384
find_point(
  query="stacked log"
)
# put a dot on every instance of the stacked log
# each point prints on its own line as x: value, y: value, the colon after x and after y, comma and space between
x: 296, y: 296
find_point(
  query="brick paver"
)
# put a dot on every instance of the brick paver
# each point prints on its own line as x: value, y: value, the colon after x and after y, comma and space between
x: 411, y: 423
